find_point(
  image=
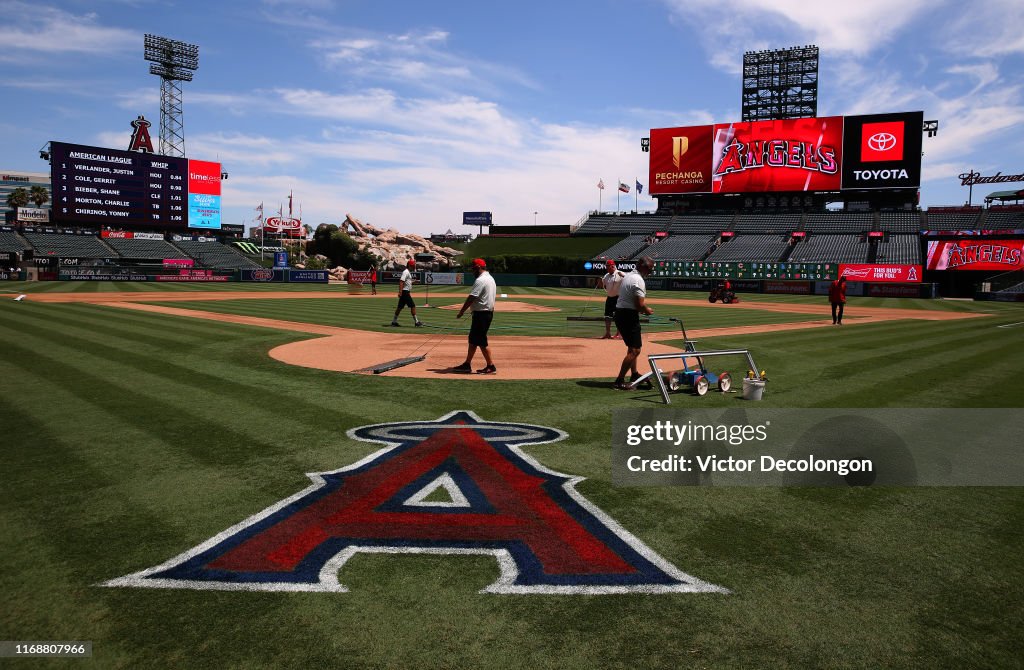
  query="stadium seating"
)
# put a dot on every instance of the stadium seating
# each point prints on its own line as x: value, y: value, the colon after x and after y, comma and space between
x: 215, y: 255
x: 681, y: 247
x: 13, y: 242
x: 145, y: 249
x: 997, y: 220
x: 899, y: 250
x: 624, y: 249
x: 690, y: 223
x: 768, y: 223
x: 900, y: 222
x: 840, y: 222
x: 69, y: 246
x: 754, y: 248
x: 827, y: 248
x: 952, y: 220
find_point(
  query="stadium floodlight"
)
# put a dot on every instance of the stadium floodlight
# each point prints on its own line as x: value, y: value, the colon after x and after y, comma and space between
x: 173, y: 61
x: 931, y: 128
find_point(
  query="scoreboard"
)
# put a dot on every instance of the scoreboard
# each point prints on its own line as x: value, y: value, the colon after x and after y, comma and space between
x: 107, y: 187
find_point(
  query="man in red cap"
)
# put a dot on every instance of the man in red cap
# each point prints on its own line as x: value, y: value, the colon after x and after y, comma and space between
x: 612, y: 280
x: 405, y: 294
x: 481, y: 301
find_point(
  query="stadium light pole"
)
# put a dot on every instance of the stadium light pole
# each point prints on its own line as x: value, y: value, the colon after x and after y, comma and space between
x: 173, y: 62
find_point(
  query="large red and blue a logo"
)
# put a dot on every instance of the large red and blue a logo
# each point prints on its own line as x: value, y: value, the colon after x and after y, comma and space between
x: 458, y: 485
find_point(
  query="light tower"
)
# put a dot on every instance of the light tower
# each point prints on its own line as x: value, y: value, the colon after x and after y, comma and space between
x: 173, y: 62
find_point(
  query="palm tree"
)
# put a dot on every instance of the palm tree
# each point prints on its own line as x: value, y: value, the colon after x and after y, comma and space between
x: 39, y: 195
x: 19, y: 197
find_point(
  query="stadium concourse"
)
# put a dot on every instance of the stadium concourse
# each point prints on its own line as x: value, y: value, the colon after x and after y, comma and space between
x: 522, y: 357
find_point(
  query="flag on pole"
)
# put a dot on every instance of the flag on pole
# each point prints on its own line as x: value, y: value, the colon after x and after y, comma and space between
x: 623, y: 187
x: 639, y: 187
x: 600, y: 184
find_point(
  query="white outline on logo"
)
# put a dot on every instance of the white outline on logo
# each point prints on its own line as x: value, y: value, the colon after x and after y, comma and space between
x: 507, y: 566
x: 882, y: 141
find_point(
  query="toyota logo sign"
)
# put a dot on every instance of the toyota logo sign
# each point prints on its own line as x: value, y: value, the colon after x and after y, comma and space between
x: 882, y: 141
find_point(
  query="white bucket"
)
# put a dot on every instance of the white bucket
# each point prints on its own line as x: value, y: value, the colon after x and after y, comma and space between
x: 753, y: 389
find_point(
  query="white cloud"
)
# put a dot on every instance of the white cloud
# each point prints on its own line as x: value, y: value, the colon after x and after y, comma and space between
x: 983, y: 73
x: 986, y: 29
x: 31, y: 29
x: 730, y: 27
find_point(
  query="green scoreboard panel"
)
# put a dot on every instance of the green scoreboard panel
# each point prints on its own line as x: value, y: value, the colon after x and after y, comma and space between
x: 743, y: 270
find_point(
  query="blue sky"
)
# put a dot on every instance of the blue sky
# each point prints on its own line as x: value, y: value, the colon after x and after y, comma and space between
x: 406, y: 114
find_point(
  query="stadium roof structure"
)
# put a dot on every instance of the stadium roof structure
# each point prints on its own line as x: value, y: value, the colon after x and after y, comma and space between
x: 1005, y: 195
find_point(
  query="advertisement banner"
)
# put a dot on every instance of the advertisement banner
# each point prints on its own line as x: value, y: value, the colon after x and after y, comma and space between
x: 444, y: 278
x: 866, y: 272
x: 179, y: 263
x: 117, y: 235
x: 191, y: 277
x: 148, y: 236
x: 308, y: 276
x: 262, y: 275
x: 33, y: 215
x: 894, y: 291
x: 790, y: 288
x: 681, y: 160
x: 782, y: 155
x: 974, y: 254
x: 203, y: 194
x: 882, y: 151
x: 358, y: 277
x: 283, y: 225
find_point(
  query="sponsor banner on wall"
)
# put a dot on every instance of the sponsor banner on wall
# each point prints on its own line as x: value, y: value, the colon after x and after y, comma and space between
x: 262, y: 275
x: 7, y: 256
x: 787, y: 287
x: 358, y: 277
x: 973, y: 254
x: 308, y: 276
x: 5, y: 275
x: 117, y: 235
x: 866, y: 272
x: 392, y: 276
x: 893, y: 291
x: 625, y: 266
x: 148, y: 236
x: 444, y: 278
x: 45, y: 261
x: 71, y: 275
x: 178, y: 263
x: 283, y: 225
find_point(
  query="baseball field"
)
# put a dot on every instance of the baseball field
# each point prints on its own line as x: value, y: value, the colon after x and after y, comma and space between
x: 142, y: 421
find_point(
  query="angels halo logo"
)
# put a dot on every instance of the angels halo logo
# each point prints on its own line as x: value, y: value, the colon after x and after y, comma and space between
x: 498, y: 501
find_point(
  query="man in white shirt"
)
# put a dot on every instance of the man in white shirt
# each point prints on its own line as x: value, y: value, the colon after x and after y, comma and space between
x: 405, y: 294
x: 631, y: 304
x: 481, y: 301
x: 611, y: 281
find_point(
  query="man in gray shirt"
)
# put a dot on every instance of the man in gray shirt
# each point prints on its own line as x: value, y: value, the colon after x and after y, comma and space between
x: 481, y: 301
x: 631, y: 304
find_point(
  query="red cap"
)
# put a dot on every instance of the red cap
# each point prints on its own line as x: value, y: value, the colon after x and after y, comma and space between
x: 411, y: 263
x: 479, y: 263
x: 610, y: 263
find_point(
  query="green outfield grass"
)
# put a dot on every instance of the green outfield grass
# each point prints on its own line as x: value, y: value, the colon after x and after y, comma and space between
x: 130, y: 437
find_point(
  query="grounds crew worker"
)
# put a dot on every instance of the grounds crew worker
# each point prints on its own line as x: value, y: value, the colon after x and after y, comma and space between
x: 837, y: 296
x: 405, y: 294
x: 631, y: 304
x: 481, y: 301
x: 611, y: 281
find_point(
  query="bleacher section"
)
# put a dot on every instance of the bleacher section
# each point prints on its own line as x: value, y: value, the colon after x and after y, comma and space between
x: 753, y: 248
x: 145, y: 249
x: 768, y: 223
x: 840, y: 222
x: 215, y: 255
x: 624, y: 249
x: 997, y: 220
x: 953, y: 220
x: 624, y: 224
x: 69, y: 246
x: 900, y: 222
x: 681, y: 247
x: 13, y: 242
x: 700, y: 224
x: 830, y: 249
x: 899, y: 250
